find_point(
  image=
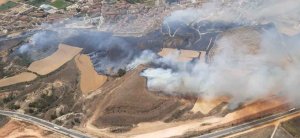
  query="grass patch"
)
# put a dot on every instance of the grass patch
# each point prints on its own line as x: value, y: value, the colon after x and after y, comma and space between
x: 134, y: 1
x: 7, y: 5
x: 37, y: 2
x: 60, y: 4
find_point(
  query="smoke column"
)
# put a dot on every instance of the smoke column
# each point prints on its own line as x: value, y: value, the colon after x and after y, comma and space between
x: 250, y: 63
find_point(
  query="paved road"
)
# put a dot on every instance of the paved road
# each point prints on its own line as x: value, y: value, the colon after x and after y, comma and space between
x: 44, y: 123
x: 248, y: 125
x: 216, y: 134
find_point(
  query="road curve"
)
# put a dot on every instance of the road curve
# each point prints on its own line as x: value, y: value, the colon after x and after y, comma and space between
x: 242, y: 127
x: 215, y: 134
x: 44, y: 123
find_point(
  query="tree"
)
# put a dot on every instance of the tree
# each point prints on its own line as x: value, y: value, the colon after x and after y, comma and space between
x: 121, y: 72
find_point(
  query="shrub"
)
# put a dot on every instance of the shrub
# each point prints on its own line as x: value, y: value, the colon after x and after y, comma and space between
x: 9, y: 98
x: 121, y: 72
x: 53, y: 116
x: 13, y: 107
x: 24, y: 60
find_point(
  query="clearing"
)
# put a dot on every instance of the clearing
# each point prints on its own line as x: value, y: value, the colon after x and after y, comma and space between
x: 49, y: 64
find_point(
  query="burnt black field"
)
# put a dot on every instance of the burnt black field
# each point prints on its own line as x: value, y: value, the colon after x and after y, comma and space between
x: 110, y: 53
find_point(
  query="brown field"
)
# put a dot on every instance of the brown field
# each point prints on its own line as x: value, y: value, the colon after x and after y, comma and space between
x: 2, y: 1
x: 130, y: 103
x: 207, y: 105
x: 17, y: 129
x: 183, y: 59
x: 184, y: 55
x: 22, y: 77
x: 126, y: 101
x: 165, y: 51
x: 90, y: 80
x: 255, y: 108
x: 49, y: 64
x: 189, y: 53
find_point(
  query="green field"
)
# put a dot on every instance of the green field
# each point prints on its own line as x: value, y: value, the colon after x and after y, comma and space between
x: 37, y: 2
x: 60, y: 4
x: 7, y: 5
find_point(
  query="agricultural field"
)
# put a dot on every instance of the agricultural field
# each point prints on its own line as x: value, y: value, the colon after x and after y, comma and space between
x: 183, y: 55
x: 5, y: 5
x: 49, y: 64
x: 90, y: 80
x: 20, y: 78
x: 2, y: 1
x: 60, y: 4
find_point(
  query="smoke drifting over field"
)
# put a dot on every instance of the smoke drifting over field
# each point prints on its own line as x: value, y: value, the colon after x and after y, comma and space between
x: 108, y: 53
x: 248, y: 63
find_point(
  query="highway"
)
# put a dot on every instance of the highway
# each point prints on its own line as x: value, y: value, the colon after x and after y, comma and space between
x: 215, y: 134
x: 44, y: 123
x: 248, y: 125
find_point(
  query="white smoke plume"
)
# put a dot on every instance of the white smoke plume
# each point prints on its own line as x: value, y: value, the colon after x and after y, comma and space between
x: 272, y: 67
x: 249, y: 12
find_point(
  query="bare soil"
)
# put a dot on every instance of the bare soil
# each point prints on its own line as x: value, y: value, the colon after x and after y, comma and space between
x: 205, y: 106
x: 130, y: 103
x: 17, y: 129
